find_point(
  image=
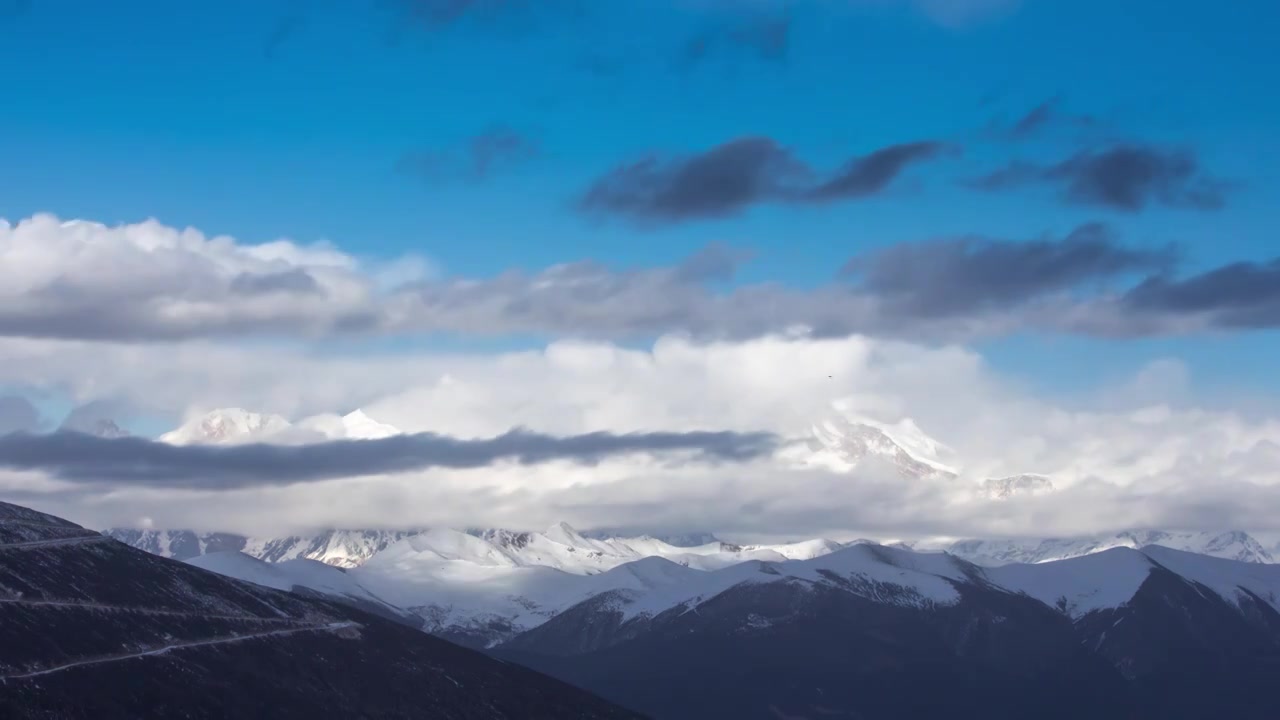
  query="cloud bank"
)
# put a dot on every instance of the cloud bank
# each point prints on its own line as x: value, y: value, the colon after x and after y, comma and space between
x: 146, y: 282
x: 1142, y: 453
x: 84, y: 458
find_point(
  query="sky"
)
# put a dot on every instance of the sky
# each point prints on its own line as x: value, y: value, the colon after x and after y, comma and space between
x: 1044, y: 230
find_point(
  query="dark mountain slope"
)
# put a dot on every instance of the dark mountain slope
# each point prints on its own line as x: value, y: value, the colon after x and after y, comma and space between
x: 1189, y: 652
x: 792, y: 650
x: 873, y: 633
x: 91, y: 628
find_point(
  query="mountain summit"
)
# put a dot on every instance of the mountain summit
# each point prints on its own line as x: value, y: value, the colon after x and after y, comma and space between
x: 226, y: 426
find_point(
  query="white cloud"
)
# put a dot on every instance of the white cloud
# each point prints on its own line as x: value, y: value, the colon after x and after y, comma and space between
x: 1118, y: 465
x: 145, y: 280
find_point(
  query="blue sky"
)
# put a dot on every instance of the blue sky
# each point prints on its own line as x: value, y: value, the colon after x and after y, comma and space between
x: 278, y: 118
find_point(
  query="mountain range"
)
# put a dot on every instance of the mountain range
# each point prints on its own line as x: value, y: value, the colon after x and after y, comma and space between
x: 1137, y: 624
x: 483, y: 587
x: 806, y: 630
x: 874, y: 632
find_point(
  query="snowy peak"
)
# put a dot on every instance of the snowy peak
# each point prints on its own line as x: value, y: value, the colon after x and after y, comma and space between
x: 339, y: 548
x: 1081, y: 585
x: 845, y: 442
x: 564, y: 534
x: 359, y: 426
x: 503, y: 538
x: 107, y: 429
x: 309, y: 574
x: 688, y: 540
x: 100, y: 427
x: 1231, y: 545
x: 1017, y: 486
x: 895, y: 577
x: 236, y: 425
x: 1111, y: 579
x: 226, y: 426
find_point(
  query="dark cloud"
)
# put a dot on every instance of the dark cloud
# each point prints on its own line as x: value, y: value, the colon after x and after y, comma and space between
x: 968, y: 275
x: 17, y: 414
x: 727, y: 179
x: 718, y: 183
x: 1126, y: 177
x: 1046, y: 116
x: 84, y: 458
x: 297, y: 281
x: 83, y: 319
x: 493, y: 149
x: 872, y: 173
x: 1242, y: 294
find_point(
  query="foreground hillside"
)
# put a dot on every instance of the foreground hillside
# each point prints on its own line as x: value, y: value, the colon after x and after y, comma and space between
x: 91, y: 628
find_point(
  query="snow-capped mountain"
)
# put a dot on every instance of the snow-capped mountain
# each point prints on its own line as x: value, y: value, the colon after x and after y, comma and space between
x: 691, y: 539
x: 844, y: 443
x: 101, y: 427
x: 1232, y: 545
x: 1108, y: 579
x: 226, y: 426
x: 352, y: 426
x: 685, y: 540
x: 340, y: 548
x: 303, y: 576
x: 854, y: 630
x: 482, y: 587
x: 1017, y: 486
x: 236, y: 425
x: 1156, y: 633
x: 1112, y: 634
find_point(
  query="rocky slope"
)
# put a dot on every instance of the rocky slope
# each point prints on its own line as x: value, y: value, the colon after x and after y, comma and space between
x: 92, y: 628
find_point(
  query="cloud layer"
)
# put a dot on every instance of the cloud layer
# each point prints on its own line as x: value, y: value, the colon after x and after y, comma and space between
x: 150, y: 283
x: 1133, y: 454
x: 1126, y: 177
x: 147, y: 281
x: 971, y: 275
x: 84, y: 458
x: 730, y: 178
